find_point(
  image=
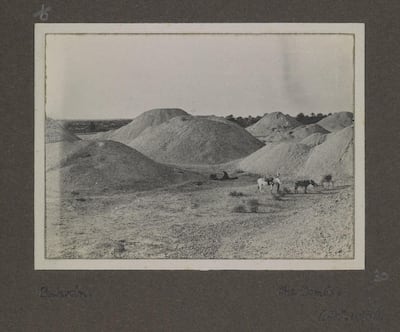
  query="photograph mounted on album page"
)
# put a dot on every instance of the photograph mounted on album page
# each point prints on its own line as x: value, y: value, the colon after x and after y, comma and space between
x: 199, y: 146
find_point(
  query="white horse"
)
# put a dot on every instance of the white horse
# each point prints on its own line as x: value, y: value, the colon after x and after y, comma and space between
x: 261, y: 182
x: 269, y: 181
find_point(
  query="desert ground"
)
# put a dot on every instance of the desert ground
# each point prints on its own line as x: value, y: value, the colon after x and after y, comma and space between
x: 114, y: 195
x: 197, y: 220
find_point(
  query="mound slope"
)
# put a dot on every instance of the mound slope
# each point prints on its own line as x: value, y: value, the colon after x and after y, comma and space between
x: 149, y: 119
x: 58, y: 152
x: 219, y: 119
x: 285, y: 158
x: 55, y: 132
x: 334, y: 156
x: 105, y: 165
x: 273, y: 123
x: 195, y: 140
x: 337, y: 121
x: 302, y: 132
x: 314, y: 139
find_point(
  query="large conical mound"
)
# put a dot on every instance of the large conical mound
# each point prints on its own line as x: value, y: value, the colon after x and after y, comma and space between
x: 195, y: 140
x: 146, y: 120
x: 335, y: 156
x: 273, y: 123
x: 55, y: 132
x: 337, y: 121
x: 109, y: 165
x: 285, y: 158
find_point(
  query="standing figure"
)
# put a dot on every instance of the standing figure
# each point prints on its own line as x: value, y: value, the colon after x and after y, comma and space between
x: 327, y: 179
x: 276, y: 181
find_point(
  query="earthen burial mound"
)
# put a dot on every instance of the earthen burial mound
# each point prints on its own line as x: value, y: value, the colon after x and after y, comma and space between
x: 335, y: 156
x: 108, y: 165
x: 285, y: 158
x: 273, y: 123
x: 148, y: 119
x: 337, y: 121
x: 195, y: 140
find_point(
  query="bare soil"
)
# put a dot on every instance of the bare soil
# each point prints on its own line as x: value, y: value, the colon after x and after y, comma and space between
x: 195, y: 220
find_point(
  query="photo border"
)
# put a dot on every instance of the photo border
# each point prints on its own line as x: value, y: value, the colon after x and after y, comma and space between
x: 358, y: 263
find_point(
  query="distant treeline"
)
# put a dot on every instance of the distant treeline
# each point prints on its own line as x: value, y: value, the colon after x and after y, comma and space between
x: 243, y: 122
x: 301, y: 117
x: 93, y: 126
x: 89, y: 126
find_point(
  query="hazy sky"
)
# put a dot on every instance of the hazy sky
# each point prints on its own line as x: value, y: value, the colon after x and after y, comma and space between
x: 121, y: 76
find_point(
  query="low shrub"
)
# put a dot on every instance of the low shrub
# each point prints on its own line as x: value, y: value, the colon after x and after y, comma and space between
x: 281, y: 194
x: 236, y: 194
x: 277, y: 197
x: 253, y: 205
x: 119, y: 248
x: 239, y: 209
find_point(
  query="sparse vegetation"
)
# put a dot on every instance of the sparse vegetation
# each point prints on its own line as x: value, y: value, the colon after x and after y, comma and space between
x: 239, y: 209
x: 253, y: 205
x: 120, y: 246
x: 236, y: 193
x: 119, y: 249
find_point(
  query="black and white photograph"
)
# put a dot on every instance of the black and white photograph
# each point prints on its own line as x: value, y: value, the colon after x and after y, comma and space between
x: 199, y: 146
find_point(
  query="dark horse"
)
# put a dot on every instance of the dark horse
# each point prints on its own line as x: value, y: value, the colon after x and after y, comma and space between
x: 304, y: 184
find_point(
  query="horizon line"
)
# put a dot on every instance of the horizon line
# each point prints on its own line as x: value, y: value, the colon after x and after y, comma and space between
x: 222, y: 116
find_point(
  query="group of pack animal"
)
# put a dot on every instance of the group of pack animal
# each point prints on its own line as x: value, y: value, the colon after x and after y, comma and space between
x: 275, y: 181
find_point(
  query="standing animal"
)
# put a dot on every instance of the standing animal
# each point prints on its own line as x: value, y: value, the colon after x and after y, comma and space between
x: 304, y: 184
x: 327, y: 179
x: 269, y: 181
x: 265, y: 181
